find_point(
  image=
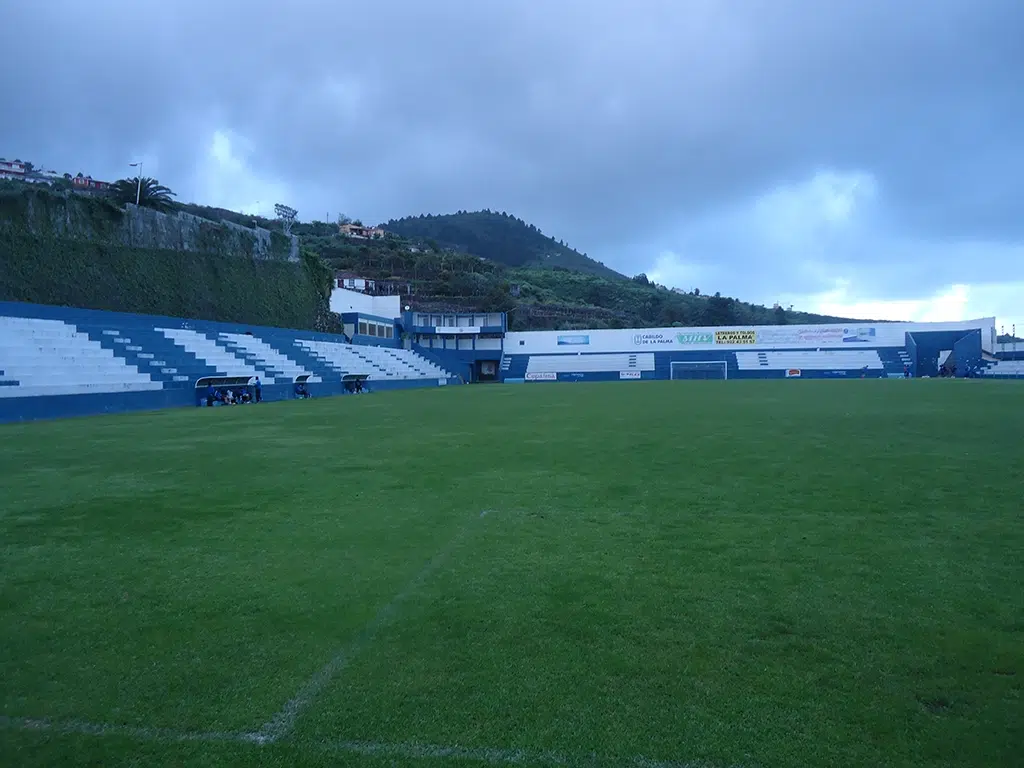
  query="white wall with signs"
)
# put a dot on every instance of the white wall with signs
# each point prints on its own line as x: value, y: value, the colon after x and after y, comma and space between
x: 838, y: 335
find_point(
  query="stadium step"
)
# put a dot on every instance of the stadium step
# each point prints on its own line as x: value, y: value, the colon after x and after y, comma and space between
x: 149, y: 352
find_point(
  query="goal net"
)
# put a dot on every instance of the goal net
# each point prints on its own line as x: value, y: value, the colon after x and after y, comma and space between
x: 703, y: 369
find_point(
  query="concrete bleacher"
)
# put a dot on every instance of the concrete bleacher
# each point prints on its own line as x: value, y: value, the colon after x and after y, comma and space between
x: 810, y: 360
x: 51, y: 357
x: 157, y: 361
x: 375, y: 362
x: 276, y: 365
x: 1004, y: 368
x: 893, y: 360
x: 220, y: 358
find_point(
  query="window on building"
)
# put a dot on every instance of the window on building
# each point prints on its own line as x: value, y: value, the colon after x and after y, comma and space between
x: 362, y: 329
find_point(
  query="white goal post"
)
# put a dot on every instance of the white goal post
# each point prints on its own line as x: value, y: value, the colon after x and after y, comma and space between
x: 699, y: 369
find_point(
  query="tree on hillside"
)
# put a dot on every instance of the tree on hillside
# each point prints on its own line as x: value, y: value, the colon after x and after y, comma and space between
x: 720, y: 311
x: 149, y: 192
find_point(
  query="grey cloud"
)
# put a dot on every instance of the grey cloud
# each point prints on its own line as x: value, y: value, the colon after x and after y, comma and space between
x: 613, y: 125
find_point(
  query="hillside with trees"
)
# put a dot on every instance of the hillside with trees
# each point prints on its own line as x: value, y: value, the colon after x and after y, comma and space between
x: 500, y: 237
x: 430, y: 278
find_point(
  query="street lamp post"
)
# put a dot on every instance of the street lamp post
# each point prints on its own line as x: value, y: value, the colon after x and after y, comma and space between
x: 138, y: 179
x: 1013, y: 332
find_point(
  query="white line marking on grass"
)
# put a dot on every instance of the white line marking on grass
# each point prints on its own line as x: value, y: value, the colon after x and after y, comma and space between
x: 414, y: 751
x: 498, y: 756
x: 283, y: 722
x: 145, y: 733
x: 398, y: 750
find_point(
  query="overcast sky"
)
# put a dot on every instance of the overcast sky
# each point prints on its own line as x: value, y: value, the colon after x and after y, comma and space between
x: 859, y: 157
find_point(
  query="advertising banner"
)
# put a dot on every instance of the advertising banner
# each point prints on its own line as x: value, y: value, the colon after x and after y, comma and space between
x: 736, y: 337
x: 542, y: 376
x: 793, y: 373
x: 450, y: 330
x: 575, y: 340
x: 858, y: 335
x: 653, y: 339
x: 629, y: 374
x: 795, y: 335
x: 695, y: 338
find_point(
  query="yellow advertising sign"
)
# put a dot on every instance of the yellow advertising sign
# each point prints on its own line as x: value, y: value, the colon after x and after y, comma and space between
x: 736, y: 337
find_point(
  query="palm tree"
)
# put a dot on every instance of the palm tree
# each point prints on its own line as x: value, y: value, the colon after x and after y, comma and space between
x: 150, y: 192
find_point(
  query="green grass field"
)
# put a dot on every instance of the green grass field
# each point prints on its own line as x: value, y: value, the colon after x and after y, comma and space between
x: 787, y: 573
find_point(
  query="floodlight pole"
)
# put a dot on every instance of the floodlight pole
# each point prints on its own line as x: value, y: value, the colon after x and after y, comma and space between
x: 287, y: 215
x: 138, y: 180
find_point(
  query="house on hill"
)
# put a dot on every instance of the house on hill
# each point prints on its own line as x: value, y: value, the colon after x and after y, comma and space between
x: 12, y: 169
x: 359, y: 232
x: 350, y: 281
x: 25, y: 171
x: 82, y: 183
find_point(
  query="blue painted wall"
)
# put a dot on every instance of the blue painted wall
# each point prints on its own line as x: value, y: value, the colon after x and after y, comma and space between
x: 925, y: 347
x: 913, y: 352
x: 461, y: 362
x: 968, y: 353
x: 353, y: 318
x: 14, y: 409
x: 375, y: 341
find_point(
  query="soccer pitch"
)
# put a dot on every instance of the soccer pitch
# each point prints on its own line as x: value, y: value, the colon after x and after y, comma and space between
x: 749, y: 573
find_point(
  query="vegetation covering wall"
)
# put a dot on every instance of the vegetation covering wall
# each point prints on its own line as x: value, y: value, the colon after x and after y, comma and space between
x: 70, y: 252
x: 65, y: 214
